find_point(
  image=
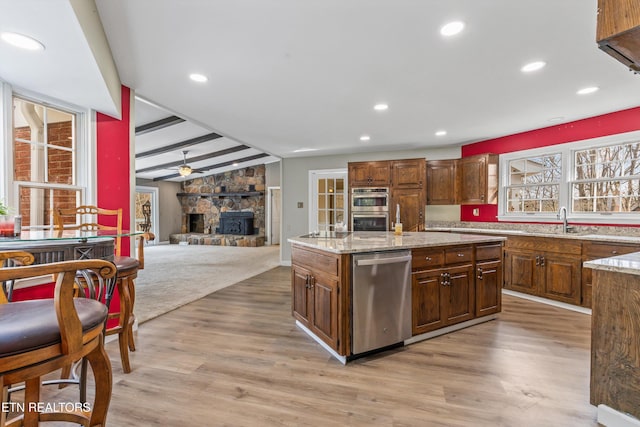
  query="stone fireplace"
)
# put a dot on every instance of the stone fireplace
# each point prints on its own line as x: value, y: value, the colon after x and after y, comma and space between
x: 224, y: 209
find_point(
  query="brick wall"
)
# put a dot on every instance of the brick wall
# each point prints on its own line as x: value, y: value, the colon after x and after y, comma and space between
x: 59, y: 164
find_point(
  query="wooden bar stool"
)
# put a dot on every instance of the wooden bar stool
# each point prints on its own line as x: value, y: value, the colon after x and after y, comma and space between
x: 87, y: 218
x: 41, y: 336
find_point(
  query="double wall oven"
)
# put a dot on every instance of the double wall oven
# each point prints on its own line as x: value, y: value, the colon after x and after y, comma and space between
x: 370, y: 209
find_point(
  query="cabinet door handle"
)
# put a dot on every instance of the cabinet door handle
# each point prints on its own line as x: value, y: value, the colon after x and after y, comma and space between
x: 542, y: 261
x: 460, y: 255
x: 306, y: 281
x: 428, y: 258
x: 479, y: 273
x: 614, y: 252
x: 537, y: 260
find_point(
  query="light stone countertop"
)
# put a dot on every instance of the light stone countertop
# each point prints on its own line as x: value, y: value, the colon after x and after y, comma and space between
x: 373, y: 241
x: 629, y: 264
x: 612, y: 238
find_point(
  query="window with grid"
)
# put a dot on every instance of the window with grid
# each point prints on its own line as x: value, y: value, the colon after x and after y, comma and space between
x: 607, y: 179
x: 44, y: 160
x: 534, y: 184
x: 330, y: 207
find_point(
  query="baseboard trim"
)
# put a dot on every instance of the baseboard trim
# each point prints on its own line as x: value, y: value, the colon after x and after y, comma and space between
x: 341, y: 359
x: 547, y: 301
x: 609, y: 417
x: 452, y: 328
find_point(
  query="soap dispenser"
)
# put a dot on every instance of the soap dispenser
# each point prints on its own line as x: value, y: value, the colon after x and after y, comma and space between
x: 398, y: 226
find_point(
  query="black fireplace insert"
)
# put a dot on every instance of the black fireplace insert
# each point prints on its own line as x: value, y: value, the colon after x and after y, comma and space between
x: 236, y: 222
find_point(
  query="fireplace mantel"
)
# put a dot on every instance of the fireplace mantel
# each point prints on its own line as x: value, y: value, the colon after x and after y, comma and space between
x: 223, y: 195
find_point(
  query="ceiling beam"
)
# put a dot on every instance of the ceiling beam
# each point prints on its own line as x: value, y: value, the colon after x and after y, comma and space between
x: 179, y: 145
x: 158, y: 124
x: 195, y: 159
x: 219, y: 165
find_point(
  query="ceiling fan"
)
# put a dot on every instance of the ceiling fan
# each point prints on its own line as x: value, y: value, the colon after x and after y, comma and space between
x: 184, y: 169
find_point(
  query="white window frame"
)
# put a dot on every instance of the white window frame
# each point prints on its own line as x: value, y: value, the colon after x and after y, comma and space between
x: 565, y: 199
x: 85, y: 158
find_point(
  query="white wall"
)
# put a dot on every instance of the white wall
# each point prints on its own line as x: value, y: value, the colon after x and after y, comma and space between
x: 169, y: 208
x: 295, y: 187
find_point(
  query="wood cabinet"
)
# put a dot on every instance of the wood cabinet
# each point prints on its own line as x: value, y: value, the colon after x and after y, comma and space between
x: 406, y: 182
x: 316, y: 280
x: 443, y: 287
x: 369, y: 174
x: 618, y: 31
x: 595, y: 250
x: 546, y: 267
x: 409, y: 191
x: 477, y: 179
x: 441, y: 182
x: 489, y: 279
x: 409, y: 173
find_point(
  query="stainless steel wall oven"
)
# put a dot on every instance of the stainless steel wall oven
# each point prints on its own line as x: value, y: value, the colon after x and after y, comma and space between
x: 369, y: 209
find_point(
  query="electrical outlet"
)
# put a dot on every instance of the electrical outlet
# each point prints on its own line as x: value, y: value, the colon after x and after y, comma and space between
x: 300, y: 205
x: 476, y: 212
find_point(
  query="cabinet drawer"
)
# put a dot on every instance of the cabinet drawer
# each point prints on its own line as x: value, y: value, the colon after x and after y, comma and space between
x: 545, y: 244
x: 493, y: 251
x: 426, y: 258
x: 605, y: 250
x: 458, y: 255
x: 316, y: 261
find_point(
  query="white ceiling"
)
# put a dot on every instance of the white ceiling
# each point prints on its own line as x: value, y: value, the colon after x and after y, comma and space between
x: 288, y: 74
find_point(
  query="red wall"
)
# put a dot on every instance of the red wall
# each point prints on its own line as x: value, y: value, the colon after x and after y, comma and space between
x: 593, y: 127
x: 114, y: 165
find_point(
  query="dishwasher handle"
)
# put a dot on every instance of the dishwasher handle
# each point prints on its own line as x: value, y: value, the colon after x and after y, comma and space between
x: 379, y: 261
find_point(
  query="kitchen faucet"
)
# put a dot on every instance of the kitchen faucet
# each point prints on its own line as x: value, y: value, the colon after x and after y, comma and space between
x: 562, y: 214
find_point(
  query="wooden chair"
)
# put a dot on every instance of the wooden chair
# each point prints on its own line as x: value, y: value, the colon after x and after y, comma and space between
x: 41, y: 336
x: 86, y: 218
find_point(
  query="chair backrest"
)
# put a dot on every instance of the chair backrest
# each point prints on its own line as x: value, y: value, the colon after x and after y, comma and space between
x: 87, y: 218
x: 15, y: 258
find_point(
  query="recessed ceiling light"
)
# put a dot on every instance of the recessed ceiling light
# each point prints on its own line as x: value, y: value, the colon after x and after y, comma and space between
x: 587, y: 90
x: 533, y: 66
x: 302, y: 150
x: 365, y: 138
x: 452, y: 28
x: 381, y: 107
x: 200, y: 78
x: 441, y: 133
x: 235, y: 164
x: 22, y: 41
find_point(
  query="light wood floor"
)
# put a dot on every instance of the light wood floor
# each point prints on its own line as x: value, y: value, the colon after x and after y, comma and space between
x: 236, y: 358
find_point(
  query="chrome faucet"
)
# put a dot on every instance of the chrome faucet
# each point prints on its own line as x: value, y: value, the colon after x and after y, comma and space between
x: 562, y: 214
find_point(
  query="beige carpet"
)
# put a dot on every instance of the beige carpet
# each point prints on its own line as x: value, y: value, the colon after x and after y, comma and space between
x: 176, y: 275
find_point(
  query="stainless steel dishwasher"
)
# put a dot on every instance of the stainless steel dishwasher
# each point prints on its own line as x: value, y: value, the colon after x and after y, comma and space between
x: 381, y: 300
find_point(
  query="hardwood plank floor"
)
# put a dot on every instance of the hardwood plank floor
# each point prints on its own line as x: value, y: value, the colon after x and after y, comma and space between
x: 236, y: 358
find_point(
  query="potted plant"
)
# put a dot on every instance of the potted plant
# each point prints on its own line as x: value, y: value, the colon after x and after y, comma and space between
x: 7, y: 223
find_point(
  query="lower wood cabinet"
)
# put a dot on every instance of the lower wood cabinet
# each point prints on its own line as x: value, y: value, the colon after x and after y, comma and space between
x: 315, y: 293
x: 452, y: 285
x: 596, y: 250
x: 545, y: 267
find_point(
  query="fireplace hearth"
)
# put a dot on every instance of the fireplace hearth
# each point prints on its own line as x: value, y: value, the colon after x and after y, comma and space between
x: 236, y: 222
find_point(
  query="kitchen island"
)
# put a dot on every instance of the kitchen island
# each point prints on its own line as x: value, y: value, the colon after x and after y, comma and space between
x: 455, y: 281
x: 615, y: 339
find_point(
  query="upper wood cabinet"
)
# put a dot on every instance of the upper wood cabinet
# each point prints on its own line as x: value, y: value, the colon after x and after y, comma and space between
x: 408, y: 173
x: 441, y: 182
x: 411, y: 203
x: 618, y: 31
x: 478, y: 180
x: 370, y: 174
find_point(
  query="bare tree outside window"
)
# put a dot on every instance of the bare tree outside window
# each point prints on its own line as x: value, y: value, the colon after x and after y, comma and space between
x: 607, y: 179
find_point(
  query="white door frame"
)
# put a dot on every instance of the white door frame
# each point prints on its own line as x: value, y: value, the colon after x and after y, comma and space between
x: 155, y: 215
x: 268, y: 214
x: 313, y: 194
